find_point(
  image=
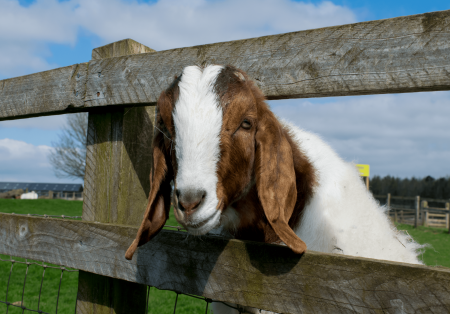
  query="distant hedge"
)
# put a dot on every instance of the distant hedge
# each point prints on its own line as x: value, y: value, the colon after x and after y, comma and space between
x: 427, y: 187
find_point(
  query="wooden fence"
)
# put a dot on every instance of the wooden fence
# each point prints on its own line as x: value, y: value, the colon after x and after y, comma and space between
x: 421, y: 214
x: 119, y: 88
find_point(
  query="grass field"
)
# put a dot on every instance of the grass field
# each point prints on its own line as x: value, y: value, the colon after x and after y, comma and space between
x: 41, y: 207
x: 50, y: 287
x: 438, y: 254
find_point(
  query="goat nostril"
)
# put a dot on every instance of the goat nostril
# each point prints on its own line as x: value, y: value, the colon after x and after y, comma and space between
x: 190, y: 200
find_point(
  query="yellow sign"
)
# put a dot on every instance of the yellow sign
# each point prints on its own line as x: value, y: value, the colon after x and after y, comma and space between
x: 364, y: 170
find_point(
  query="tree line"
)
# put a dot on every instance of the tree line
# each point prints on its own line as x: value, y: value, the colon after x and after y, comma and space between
x: 427, y: 187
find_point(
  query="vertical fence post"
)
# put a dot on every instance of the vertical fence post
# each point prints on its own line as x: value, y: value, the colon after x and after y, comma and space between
x: 116, y: 184
x: 422, y: 211
x: 416, y: 220
x: 447, y: 207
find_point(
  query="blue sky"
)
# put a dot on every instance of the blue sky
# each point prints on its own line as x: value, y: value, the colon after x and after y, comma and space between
x: 44, y: 34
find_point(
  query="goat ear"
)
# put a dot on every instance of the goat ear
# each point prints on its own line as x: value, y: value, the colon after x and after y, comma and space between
x: 158, y: 205
x: 275, y: 178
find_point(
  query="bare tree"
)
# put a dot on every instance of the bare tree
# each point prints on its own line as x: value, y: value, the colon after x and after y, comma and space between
x: 69, y: 155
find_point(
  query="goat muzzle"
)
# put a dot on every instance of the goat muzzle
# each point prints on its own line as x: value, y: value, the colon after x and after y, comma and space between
x: 189, y: 200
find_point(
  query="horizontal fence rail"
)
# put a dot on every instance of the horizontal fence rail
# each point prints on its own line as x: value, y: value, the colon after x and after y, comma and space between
x: 398, y: 55
x: 256, y: 274
x: 412, y: 198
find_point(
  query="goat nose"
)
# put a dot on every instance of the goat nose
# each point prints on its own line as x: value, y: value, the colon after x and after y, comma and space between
x: 190, y: 199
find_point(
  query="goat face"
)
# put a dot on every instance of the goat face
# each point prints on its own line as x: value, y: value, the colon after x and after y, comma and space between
x: 214, y: 120
x: 216, y: 139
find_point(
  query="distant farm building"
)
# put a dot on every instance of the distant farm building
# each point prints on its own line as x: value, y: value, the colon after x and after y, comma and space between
x: 54, y: 190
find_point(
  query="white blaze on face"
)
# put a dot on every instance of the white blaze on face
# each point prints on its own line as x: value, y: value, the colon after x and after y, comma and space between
x: 198, y: 121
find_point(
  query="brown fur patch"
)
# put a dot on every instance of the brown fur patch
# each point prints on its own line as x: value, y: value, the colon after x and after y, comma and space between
x: 238, y: 169
x: 158, y: 205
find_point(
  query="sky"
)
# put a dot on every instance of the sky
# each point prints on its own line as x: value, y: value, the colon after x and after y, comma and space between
x: 402, y: 135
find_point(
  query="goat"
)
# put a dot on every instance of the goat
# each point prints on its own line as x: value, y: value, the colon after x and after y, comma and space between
x: 239, y: 171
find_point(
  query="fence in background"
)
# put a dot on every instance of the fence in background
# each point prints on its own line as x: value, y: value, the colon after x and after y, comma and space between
x: 416, y: 211
x: 119, y: 88
x: 21, y: 303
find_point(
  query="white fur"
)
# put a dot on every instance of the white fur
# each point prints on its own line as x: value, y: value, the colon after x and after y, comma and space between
x: 198, y: 121
x: 342, y: 216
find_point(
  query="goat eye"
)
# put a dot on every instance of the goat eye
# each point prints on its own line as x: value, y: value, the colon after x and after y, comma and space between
x: 246, y: 125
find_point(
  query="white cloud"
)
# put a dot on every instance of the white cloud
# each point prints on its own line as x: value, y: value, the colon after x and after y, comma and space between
x: 171, y: 24
x: 404, y: 134
x: 23, y: 162
x: 26, y: 32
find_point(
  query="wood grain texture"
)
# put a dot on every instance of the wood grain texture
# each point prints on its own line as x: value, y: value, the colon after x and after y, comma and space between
x: 45, y: 93
x: 117, y: 183
x: 248, y: 273
x: 119, y: 155
x: 112, y: 295
x: 118, y: 165
x: 398, y: 55
x: 120, y: 48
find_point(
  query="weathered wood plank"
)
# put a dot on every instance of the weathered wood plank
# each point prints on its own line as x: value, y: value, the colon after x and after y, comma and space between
x: 118, y: 165
x: 398, y: 55
x: 248, y: 273
x: 117, y: 183
x: 120, y: 48
x: 45, y: 93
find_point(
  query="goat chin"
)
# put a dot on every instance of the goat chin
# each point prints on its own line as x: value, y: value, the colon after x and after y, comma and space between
x: 199, y: 227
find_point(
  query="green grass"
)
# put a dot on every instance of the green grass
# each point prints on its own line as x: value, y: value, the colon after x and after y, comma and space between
x: 50, y: 286
x: 163, y: 301
x: 41, y: 207
x: 438, y: 253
